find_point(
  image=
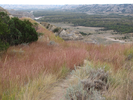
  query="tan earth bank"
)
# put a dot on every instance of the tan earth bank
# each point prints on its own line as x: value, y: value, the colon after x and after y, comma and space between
x: 95, y: 34
x: 64, y: 34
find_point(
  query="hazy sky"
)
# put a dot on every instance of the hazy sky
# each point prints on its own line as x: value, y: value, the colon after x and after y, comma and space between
x: 66, y: 2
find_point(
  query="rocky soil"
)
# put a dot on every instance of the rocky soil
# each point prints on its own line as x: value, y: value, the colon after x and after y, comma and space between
x: 66, y: 34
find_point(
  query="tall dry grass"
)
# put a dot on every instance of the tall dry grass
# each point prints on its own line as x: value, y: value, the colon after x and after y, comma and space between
x: 23, y: 63
x: 112, y: 54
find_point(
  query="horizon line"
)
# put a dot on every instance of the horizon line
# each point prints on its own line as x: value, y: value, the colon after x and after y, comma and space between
x: 69, y: 4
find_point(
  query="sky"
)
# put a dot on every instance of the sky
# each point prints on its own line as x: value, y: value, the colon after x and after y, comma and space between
x: 63, y: 2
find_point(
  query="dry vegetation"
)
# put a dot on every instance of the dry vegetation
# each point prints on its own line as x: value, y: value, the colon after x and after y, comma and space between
x: 28, y: 71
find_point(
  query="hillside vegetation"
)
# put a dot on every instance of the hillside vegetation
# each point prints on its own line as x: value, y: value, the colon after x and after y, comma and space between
x: 28, y: 71
x: 14, y: 31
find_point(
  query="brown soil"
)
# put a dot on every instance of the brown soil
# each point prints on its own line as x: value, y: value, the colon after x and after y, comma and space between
x: 59, y: 90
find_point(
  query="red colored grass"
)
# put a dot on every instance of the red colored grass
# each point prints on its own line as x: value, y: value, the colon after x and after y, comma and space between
x: 113, y: 54
x: 37, y: 58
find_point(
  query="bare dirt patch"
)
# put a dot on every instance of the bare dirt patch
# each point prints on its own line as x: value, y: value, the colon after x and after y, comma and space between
x: 59, y: 90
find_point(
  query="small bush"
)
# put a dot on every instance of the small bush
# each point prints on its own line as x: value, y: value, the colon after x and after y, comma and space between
x: 89, y: 84
x: 77, y: 92
x: 56, y: 29
x: 84, y: 33
x: 3, y: 46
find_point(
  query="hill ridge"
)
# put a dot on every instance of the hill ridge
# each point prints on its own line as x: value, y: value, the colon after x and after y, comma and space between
x: 3, y: 10
x: 87, y: 8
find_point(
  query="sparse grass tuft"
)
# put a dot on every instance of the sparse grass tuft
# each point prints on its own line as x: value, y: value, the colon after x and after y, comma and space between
x: 38, y: 88
x: 120, y: 85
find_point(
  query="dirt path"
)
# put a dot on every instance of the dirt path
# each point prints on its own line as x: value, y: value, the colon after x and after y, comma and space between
x: 117, y: 40
x: 60, y: 88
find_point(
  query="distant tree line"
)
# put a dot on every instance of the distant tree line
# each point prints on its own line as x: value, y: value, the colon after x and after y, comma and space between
x: 119, y: 23
x: 14, y: 31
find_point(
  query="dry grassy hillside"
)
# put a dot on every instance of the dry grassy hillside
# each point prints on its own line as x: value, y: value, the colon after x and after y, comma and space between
x: 30, y: 71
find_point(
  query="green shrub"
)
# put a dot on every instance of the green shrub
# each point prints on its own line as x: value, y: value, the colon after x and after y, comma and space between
x: 56, y: 29
x: 4, y: 31
x: 14, y: 31
x: 83, y: 33
x: 21, y: 32
x: 5, y: 18
x: 3, y: 46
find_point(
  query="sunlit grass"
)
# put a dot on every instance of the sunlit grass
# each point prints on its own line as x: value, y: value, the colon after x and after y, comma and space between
x: 120, y: 85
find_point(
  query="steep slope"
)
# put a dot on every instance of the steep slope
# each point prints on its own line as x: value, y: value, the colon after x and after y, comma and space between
x: 3, y: 10
x: 65, y: 34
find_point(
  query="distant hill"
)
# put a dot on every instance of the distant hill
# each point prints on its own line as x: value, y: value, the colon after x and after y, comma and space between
x: 16, y: 13
x: 105, y: 8
x: 29, y: 7
x: 93, y: 8
x: 3, y: 10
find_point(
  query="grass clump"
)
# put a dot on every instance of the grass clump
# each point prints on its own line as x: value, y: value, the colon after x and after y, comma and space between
x: 38, y: 88
x: 40, y: 34
x: 129, y: 53
x: 120, y: 85
x: 41, y: 87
